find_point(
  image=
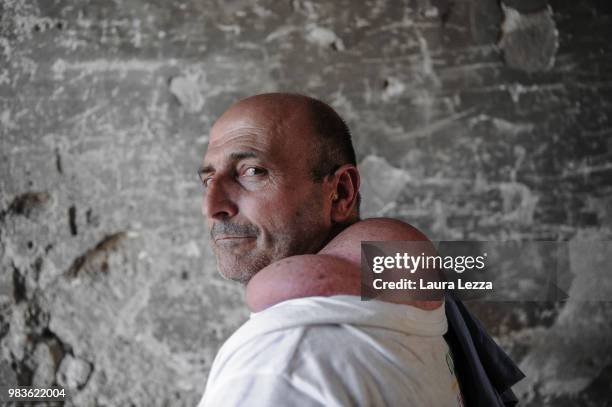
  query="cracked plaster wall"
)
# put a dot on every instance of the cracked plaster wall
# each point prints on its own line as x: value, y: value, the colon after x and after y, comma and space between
x: 472, y: 120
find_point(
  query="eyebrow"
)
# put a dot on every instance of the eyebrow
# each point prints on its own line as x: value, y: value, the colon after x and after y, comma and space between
x: 236, y: 156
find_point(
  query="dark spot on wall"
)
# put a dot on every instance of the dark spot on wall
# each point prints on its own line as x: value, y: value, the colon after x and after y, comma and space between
x: 600, y: 385
x: 602, y: 7
x: 72, y: 220
x: 36, y: 318
x: 59, y: 25
x: 30, y: 244
x: 24, y: 374
x: 95, y: 259
x: 385, y: 84
x: 58, y: 162
x: 57, y: 348
x: 185, y: 275
x: 446, y: 12
x: 37, y: 267
x: 589, y: 219
x: 19, y: 286
x: 91, y: 218
x: 4, y: 326
x: 25, y: 204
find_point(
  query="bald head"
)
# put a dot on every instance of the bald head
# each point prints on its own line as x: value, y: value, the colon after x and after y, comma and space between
x: 270, y: 103
x: 295, y: 115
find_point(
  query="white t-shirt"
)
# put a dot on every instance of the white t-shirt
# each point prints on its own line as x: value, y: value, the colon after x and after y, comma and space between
x: 335, y: 351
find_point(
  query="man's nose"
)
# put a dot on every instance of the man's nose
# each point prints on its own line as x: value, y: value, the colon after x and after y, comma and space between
x: 217, y: 203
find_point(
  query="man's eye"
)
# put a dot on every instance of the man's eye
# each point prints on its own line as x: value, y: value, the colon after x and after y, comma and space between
x: 253, y: 171
x: 206, y: 182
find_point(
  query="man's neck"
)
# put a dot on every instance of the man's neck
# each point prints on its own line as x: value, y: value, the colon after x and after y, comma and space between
x: 336, y: 229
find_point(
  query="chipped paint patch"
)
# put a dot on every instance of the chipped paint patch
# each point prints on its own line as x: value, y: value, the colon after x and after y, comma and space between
x: 187, y: 92
x: 529, y: 41
x: 323, y: 37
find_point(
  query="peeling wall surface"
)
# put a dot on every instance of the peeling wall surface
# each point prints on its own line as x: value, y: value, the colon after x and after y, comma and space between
x: 472, y: 120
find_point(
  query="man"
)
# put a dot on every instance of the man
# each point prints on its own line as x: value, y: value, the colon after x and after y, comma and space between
x: 282, y: 205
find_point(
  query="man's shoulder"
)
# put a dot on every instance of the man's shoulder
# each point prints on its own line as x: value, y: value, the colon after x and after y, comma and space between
x: 295, y: 363
x: 316, y: 337
x: 268, y: 363
x: 287, y: 348
x: 272, y: 342
x: 257, y: 341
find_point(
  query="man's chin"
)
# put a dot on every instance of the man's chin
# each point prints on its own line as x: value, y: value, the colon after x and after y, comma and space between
x: 240, y: 273
x: 242, y: 278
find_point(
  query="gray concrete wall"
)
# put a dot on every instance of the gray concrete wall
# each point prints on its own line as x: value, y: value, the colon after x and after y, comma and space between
x: 472, y: 120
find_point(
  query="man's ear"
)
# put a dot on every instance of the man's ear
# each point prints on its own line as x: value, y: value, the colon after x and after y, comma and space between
x: 344, y: 195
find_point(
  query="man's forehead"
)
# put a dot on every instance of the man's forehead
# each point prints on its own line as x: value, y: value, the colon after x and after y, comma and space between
x: 230, y: 137
x: 264, y: 127
x: 239, y: 141
x: 254, y: 136
x: 242, y: 123
x: 236, y: 151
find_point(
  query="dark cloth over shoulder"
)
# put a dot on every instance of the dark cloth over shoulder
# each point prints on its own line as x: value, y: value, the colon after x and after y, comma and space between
x: 486, y: 373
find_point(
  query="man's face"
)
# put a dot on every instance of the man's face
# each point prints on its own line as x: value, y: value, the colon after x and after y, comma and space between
x: 260, y: 202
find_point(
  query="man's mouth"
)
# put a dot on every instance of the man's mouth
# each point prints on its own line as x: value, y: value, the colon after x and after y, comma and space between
x: 233, y: 238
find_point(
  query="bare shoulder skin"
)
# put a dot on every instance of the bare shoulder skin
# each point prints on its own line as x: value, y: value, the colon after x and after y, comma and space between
x: 334, y: 270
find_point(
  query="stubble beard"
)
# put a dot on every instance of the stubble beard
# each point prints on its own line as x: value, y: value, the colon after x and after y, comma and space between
x: 304, y: 235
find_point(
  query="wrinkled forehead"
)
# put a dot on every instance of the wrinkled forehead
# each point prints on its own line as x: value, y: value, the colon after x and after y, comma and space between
x: 272, y: 129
